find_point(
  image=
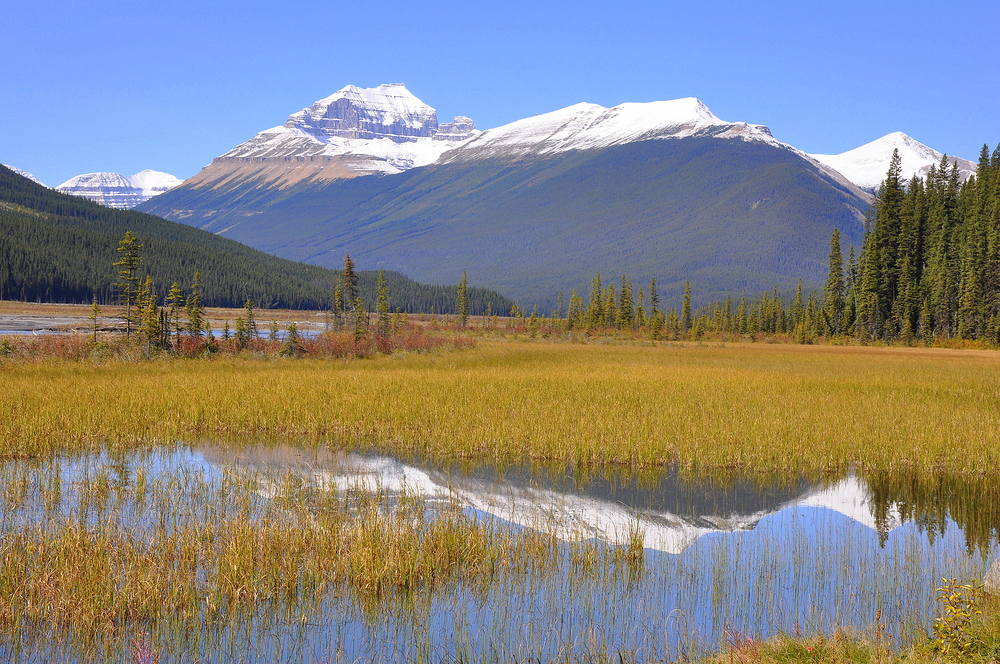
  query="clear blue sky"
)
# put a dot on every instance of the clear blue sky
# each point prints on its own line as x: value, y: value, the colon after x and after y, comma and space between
x: 124, y: 85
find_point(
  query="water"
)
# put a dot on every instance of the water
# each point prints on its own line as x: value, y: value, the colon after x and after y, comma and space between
x: 722, y: 558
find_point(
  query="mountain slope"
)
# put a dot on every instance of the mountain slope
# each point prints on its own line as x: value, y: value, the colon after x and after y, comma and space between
x: 730, y: 215
x: 60, y: 248
x: 867, y: 165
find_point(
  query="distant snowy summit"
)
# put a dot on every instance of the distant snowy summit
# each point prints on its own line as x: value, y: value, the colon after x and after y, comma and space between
x: 115, y: 190
x: 867, y: 165
x: 25, y: 174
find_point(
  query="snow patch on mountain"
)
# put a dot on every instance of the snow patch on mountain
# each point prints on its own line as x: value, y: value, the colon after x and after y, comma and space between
x: 385, y: 129
x: 591, y: 126
x: 119, y: 191
x: 867, y: 165
x: 152, y: 183
x: 24, y: 174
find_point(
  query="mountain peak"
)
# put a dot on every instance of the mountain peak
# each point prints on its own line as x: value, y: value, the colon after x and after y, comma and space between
x: 115, y: 190
x: 866, y: 166
x: 387, y: 111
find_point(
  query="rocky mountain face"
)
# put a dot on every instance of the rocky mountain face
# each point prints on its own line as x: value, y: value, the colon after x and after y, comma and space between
x: 867, y: 165
x: 355, y: 131
x: 119, y: 191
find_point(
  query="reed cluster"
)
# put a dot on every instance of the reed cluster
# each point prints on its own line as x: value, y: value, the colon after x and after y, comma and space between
x: 96, y: 556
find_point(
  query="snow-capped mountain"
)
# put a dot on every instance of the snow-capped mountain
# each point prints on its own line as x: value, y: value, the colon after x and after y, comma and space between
x: 590, y: 126
x: 115, y: 190
x: 355, y: 131
x: 688, y: 190
x: 24, y: 174
x: 867, y: 165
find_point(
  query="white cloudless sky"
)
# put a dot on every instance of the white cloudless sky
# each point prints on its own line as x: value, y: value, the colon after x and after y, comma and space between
x: 124, y: 85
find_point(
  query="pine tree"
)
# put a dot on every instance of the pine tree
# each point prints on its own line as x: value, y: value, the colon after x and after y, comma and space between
x: 462, y: 301
x: 195, y: 312
x: 360, y: 319
x: 833, y: 291
x: 654, y: 298
x: 382, y: 304
x: 176, y: 302
x: 610, y: 307
x: 149, y: 315
x: 251, y: 320
x: 129, y: 260
x: 640, y: 310
x: 95, y: 311
x: 686, y: 308
x: 595, y: 308
x: 338, y: 305
x: 349, y: 281
x: 626, y: 314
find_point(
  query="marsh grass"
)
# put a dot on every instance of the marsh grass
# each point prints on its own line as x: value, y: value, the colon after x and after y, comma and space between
x: 109, y: 553
x: 748, y: 407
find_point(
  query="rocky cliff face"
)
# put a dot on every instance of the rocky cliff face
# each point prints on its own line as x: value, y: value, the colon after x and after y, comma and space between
x: 355, y: 131
x: 388, y: 111
x: 119, y: 191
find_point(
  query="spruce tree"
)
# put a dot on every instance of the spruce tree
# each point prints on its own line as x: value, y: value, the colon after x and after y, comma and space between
x: 349, y: 281
x: 176, y: 303
x: 196, y: 321
x: 462, y: 300
x: 595, y: 307
x: 382, y: 305
x: 129, y: 260
x: 833, y: 291
x: 686, y: 308
x: 654, y: 298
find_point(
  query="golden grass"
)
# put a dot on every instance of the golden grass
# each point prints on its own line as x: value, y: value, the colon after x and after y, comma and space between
x: 107, y: 554
x: 755, y: 407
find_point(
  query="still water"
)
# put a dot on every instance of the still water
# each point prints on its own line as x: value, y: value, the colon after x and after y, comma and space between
x: 723, y: 558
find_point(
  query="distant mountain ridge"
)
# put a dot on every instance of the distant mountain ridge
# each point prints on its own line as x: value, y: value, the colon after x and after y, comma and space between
x: 122, y: 192
x: 25, y: 174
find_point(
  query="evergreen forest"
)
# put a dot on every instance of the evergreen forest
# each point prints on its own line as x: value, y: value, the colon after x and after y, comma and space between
x: 60, y: 248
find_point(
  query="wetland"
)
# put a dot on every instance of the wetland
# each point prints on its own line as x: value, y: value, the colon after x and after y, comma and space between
x: 509, y: 501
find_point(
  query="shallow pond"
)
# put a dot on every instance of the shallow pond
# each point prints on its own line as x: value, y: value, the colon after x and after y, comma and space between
x: 708, y: 560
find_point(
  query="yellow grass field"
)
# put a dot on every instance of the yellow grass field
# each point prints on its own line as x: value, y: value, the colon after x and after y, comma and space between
x: 748, y: 406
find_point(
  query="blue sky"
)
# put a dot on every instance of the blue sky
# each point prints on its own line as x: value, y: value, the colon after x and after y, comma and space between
x: 123, y: 85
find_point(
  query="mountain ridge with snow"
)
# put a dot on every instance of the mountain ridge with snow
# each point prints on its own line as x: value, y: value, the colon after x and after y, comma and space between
x: 115, y: 190
x: 25, y: 174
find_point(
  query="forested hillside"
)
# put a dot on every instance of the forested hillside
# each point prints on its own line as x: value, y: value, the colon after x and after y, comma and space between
x: 59, y: 248
x: 731, y: 216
